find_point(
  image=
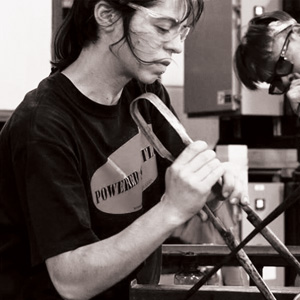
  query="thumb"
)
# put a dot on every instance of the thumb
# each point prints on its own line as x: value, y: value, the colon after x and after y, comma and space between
x: 296, y: 75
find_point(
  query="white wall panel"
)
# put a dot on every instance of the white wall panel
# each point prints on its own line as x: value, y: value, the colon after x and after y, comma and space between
x: 25, y: 48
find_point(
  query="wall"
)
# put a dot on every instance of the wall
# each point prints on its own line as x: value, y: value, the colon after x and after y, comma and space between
x: 25, y: 33
x: 200, y: 128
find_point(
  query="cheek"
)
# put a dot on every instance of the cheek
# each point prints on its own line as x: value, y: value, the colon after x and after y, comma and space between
x: 293, y: 55
x: 145, y: 40
x: 145, y: 46
x: 296, y: 63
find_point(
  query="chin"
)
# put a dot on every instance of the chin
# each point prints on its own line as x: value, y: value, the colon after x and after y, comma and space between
x: 149, y: 79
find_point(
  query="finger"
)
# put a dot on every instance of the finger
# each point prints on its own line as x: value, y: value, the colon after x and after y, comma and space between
x: 243, y: 199
x: 294, y: 97
x: 203, y: 216
x: 294, y: 83
x: 201, y: 182
x: 294, y: 79
x: 190, y: 152
x: 296, y: 75
x: 237, y: 189
x: 213, y: 177
x: 201, y: 159
x: 228, y: 184
x: 236, y: 194
x: 201, y: 173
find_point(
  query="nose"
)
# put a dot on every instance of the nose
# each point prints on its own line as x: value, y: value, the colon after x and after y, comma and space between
x: 175, y: 45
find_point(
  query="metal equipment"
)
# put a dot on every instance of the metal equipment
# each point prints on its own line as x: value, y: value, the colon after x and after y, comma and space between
x: 225, y: 233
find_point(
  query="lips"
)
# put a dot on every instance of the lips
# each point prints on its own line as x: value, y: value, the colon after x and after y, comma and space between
x: 165, y: 62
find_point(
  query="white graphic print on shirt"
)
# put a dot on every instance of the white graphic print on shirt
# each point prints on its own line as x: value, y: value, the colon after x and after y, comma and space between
x: 117, y: 185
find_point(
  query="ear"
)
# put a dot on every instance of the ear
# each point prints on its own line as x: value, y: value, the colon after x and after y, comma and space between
x: 105, y: 15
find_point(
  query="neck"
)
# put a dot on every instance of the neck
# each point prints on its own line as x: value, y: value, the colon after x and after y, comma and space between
x: 96, y: 75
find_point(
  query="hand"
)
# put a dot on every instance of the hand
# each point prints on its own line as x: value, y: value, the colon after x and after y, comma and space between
x: 234, y: 188
x: 294, y: 92
x: 234, y: 185
x: 190, y: 178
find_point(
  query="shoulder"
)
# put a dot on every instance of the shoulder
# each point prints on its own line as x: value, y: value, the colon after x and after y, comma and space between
x: 41, y: 112
x: 45, y: 93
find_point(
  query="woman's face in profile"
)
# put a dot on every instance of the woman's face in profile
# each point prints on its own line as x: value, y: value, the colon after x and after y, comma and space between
x: 156, y: 34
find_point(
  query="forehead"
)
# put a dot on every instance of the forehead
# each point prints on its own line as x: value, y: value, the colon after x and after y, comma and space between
x: 171, y: 8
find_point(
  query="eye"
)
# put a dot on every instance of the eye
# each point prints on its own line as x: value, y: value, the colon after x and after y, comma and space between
x: 162, y: 30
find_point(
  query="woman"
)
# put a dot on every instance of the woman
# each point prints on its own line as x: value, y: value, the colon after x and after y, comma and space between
x: 81, y: 187
x: 269, y: 52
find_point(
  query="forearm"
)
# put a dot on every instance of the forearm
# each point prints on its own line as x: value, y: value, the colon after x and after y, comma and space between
x: 91, y: 269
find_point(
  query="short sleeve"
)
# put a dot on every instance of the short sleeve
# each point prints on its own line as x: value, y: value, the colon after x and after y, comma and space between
x: 53, y: 195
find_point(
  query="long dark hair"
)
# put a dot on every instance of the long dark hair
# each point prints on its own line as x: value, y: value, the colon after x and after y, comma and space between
x: 80, y: 28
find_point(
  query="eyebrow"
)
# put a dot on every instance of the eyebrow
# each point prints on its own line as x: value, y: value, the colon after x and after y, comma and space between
x: 173, y: 22
x: 160, y: 16
x: 153, y: 14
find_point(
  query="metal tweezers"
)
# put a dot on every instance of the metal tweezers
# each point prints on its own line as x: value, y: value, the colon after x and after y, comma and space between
x: 226, y: 234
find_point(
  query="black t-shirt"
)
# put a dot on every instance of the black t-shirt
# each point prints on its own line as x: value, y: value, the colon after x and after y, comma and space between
x: 73, y: 172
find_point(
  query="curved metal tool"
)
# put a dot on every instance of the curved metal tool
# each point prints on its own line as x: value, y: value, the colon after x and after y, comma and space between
x: 146, y: 129
x: 173, y: 121
x: 159, y: 147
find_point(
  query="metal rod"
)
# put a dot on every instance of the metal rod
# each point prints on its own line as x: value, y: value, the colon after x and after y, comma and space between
x: 274, y: 241
x: 154, y: 141
x: 292, y: 198
x: 241, y: 255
